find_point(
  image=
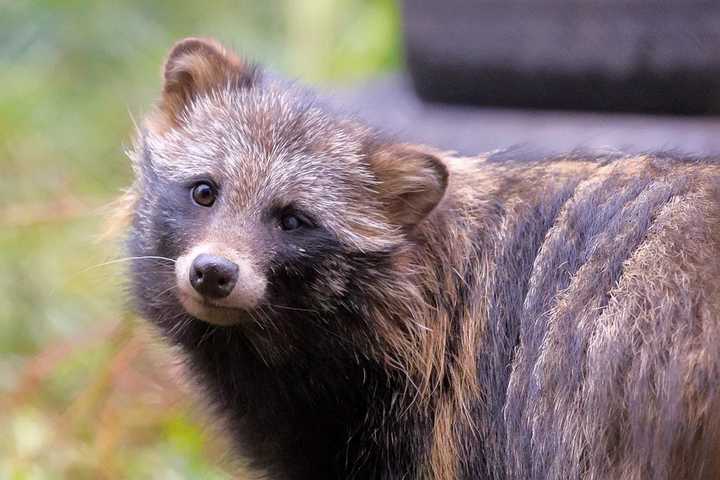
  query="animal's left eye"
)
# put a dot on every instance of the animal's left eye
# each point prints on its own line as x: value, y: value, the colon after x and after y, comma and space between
x: 290, y: 222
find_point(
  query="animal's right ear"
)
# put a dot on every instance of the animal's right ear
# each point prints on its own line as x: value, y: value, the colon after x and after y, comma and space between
x: 412, y: 181
x: 196, y: 66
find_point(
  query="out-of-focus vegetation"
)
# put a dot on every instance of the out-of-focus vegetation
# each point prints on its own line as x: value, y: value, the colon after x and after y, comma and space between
x: 84, y: 392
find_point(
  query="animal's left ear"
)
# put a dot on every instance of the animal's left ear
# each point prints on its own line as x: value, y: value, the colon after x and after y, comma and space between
x: 412, y: 181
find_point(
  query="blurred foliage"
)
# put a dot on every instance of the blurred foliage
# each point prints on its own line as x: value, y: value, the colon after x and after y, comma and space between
x: 84, y: 391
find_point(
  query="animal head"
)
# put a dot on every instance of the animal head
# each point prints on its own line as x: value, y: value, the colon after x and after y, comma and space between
x: 267, y: 203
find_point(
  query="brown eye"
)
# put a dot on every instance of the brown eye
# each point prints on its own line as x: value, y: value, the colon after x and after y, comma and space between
x: 290, y: 222
x: 203, y: 194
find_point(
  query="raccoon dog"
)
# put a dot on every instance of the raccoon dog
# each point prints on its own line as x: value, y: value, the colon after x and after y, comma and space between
x: 357, y: 307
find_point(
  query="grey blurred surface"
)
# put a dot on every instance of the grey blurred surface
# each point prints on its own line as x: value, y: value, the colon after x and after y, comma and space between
x: 390, y: 104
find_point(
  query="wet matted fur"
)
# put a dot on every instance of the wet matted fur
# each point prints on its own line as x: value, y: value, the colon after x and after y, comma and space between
x: 439, y: 317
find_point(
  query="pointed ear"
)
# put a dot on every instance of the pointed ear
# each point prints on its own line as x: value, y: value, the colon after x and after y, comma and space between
x: 412, y: 180
x: 195, y: 66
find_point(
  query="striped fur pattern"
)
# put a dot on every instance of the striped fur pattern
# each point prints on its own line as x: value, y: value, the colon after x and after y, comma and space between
x: 492, y: 317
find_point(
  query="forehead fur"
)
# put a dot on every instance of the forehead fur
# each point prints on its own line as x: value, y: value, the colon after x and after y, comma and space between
x: 273, y: 146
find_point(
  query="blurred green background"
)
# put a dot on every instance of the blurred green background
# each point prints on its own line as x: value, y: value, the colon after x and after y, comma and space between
x: 84, y: 391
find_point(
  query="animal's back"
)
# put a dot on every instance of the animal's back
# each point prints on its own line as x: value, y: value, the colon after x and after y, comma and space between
x: 600, y: 353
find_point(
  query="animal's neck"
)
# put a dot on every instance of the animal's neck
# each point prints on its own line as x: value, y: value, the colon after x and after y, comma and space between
x: 314, y: 417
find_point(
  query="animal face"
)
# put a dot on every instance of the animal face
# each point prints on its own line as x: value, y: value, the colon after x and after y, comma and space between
x: 262, y: 198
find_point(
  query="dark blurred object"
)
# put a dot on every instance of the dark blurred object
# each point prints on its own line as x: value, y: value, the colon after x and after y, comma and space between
x: 621, y: 55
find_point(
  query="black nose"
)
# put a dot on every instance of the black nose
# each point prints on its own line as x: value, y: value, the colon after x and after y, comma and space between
x: 212, y: 276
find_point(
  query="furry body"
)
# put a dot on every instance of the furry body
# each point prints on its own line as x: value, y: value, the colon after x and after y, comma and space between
x: 489, y: 317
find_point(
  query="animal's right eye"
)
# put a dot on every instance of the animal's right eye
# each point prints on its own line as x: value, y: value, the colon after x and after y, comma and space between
x: 203, y: 194
x: 290, y: 222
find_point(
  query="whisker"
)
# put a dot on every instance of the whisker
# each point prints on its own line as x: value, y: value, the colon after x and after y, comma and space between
x: 73, y: 276
x: 172, y: 287
x: 121, y: 260
x: 296, y: 309
x: 254, y: 319
x: 128, y: 259
x: 209, y: 331
x: 179, y: 327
